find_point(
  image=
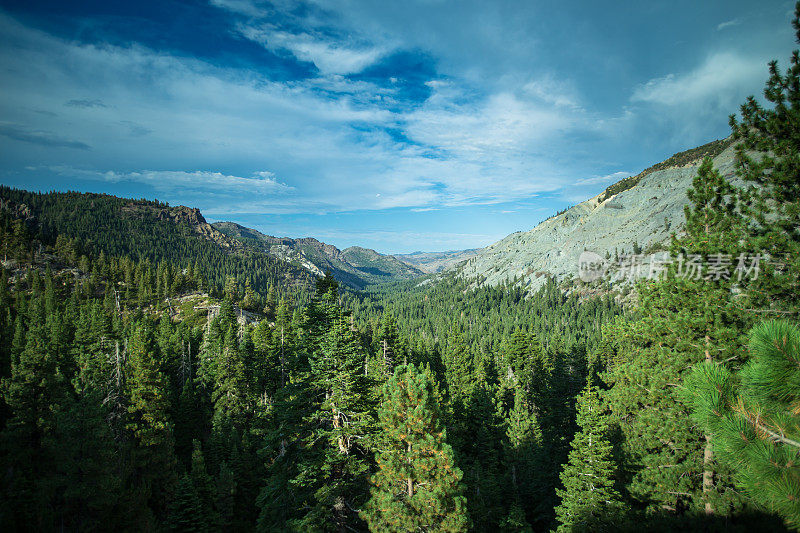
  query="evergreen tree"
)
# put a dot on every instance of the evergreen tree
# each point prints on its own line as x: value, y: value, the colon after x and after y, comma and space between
x: 768, y: 158
x: 149, y: 419
x: 233, y: 392
x: 225, y: 496
x: 186, y: 510
x: 523, y: 457
x: 417, y: 486
x: 203, y: 486
x: 589, y: 500
x: 754, y: 419
x: 36, y: 393
x: 684, y: 318
x: 389, y: 349
x: 334, y: 468
x: 85, y: 480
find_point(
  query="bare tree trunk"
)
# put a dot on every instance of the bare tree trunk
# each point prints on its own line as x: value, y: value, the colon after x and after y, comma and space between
x: 409, y: 481
x: 708, y: 475
x: 708, y: 454
x: 283, y: 362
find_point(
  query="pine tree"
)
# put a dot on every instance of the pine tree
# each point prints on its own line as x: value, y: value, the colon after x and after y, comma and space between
x: 233, y: 392
x: 334, y: 468
x: 249, y: 301
x: 36, y: 393
x: 389, y: 349
x: 684, y: 318
x: 203, y: 486
x: 459, y: 369
x: 417, y: 486
x: 479, y: 455
x: 225, y: 494
x: 523, y: 456
x: 589, y: 500
x: 755, y: 422
x: 149, y: 418
x: 149, y: 402
x: 768, y: 158
x: 190, y: 420
x: 85, y: 479
x: 185, y: 509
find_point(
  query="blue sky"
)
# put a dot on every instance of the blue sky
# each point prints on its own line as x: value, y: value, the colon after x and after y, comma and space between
x: 399, y: 126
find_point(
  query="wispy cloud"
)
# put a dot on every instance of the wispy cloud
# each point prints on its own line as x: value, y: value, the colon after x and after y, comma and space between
x: 259, y: 183
x: 415, y: 107
x: 718, y: 77
x: 459, y: 148
x: 85, y: 103
x: 728, y: 24
x: 38, y: 137
x: 596, y: 180
x: 243, y: 7
x: 330, y: 56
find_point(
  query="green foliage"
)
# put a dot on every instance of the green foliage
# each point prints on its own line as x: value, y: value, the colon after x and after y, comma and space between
x: 334, y: 465
x: 417, y: 485
x: 186, y: 511
x: 753, y: 417
x: 151, y: 231
x: 589, y: 500
x: 127, y: 396
x: 683, y: 319
x: 768, y: 158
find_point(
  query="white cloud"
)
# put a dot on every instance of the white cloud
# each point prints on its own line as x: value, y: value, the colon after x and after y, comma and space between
x: 469, y: 151
x: 728, y: 24
x: 262, y: 182
x: 595, y: 180
x: 469, y: 143
x: 329, y: 55
x: 721, y: 77
x: 553, y: 91
x: 243, y: 7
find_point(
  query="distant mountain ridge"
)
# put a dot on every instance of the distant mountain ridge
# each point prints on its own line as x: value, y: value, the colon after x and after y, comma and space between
x: 356, y: 267
x: 640, y: 211
x: 434, y: 262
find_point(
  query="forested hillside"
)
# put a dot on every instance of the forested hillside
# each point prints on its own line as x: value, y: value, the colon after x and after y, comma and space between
x: 160, y: 375
x: 151, y: 231
x: 355, y: 267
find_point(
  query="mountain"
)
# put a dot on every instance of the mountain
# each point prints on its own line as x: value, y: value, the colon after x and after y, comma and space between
x: 356, y: 267
x: 154, y: 232
x: 639, y: 212
x: 432, y: 262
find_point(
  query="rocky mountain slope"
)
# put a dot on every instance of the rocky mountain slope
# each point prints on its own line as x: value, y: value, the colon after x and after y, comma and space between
x: 432, y: 262
x: 356, y: 267
x: 639, y: 212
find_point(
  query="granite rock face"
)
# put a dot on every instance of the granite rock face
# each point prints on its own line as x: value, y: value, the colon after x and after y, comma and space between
x: 646, y: 215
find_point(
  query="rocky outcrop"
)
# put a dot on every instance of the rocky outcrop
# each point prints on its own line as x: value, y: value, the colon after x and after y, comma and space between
x: 182, y: 215
x: 355, y: 267
x: 644, y: 215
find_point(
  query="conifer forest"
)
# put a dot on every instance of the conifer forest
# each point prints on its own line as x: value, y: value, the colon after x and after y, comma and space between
x: 160, y: 375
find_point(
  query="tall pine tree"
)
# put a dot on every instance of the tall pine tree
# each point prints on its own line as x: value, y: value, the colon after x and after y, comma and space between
x: 589, y: 500
x: 417, y: 486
